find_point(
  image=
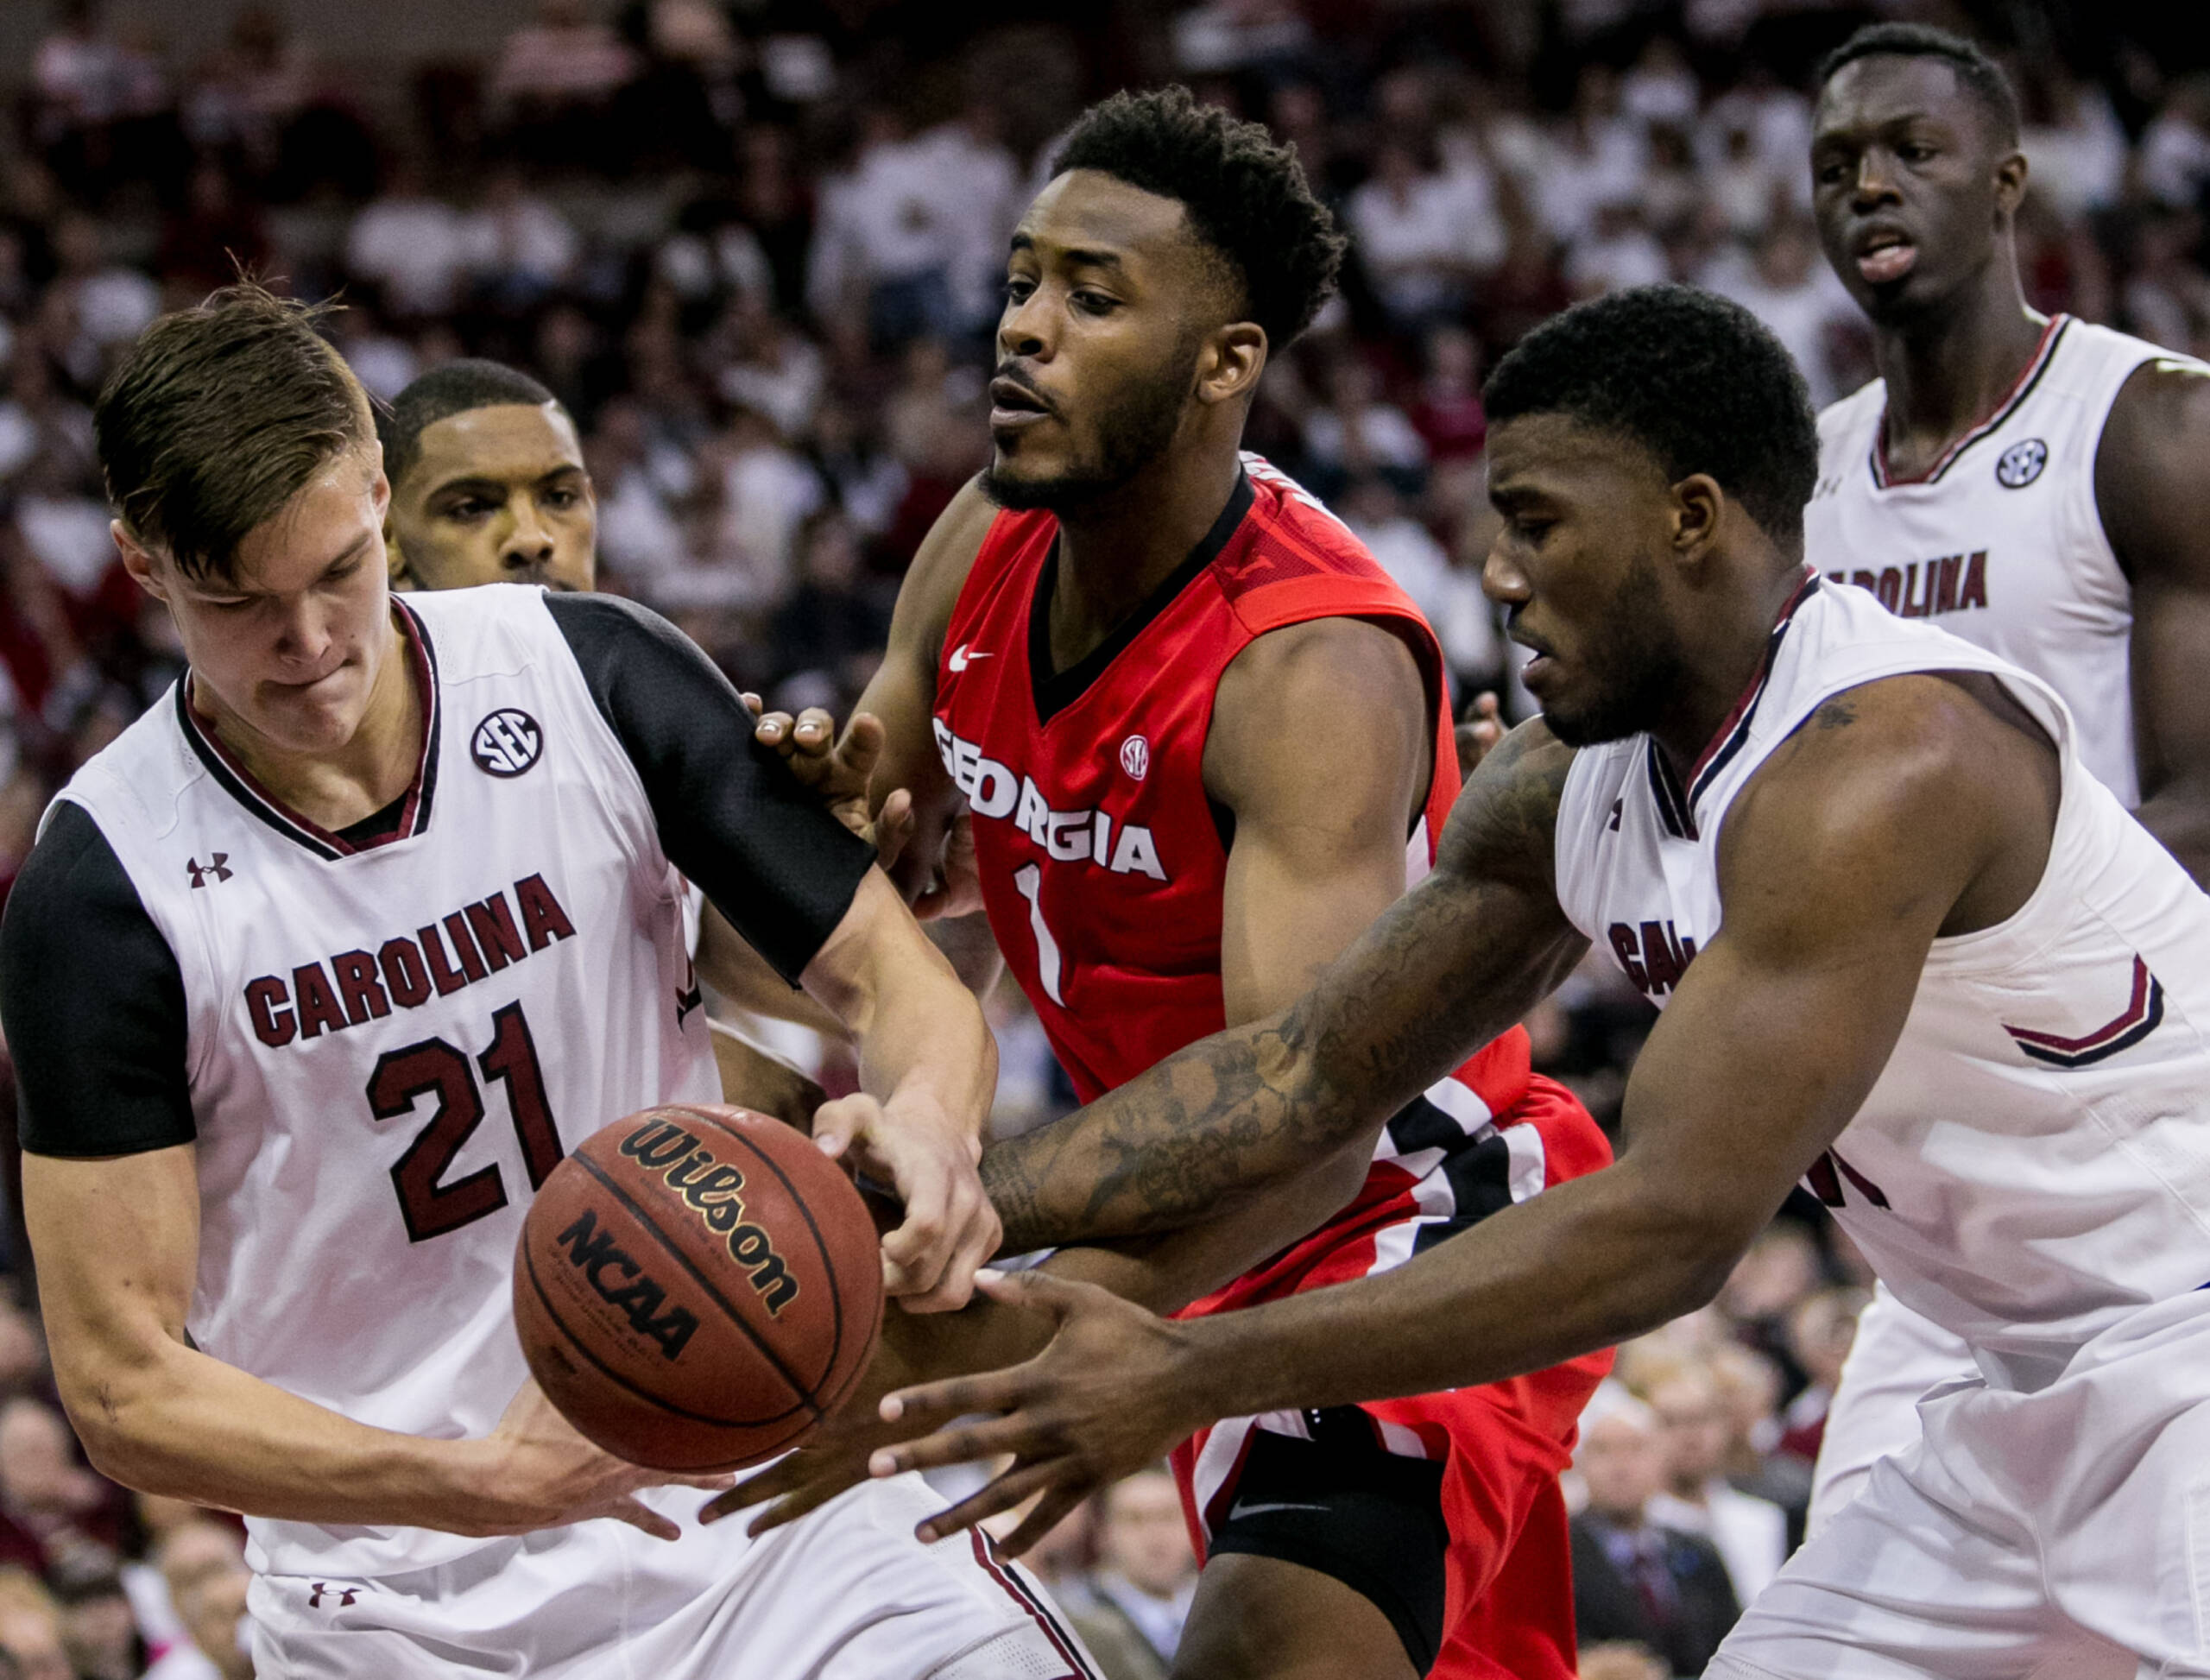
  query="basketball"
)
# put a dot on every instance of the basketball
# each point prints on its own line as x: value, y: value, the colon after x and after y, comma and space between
x: 696, y: 1288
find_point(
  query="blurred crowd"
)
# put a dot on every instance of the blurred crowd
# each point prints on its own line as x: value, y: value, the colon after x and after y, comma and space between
x: 754, y: 249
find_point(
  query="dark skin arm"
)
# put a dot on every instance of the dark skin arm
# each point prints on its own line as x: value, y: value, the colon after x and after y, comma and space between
x: 1909, y: 809
x: 1452, y: 963
x: 2155, y: 499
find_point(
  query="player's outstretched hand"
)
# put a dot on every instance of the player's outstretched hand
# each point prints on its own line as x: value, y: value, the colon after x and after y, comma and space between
x: 839, y: 770
x: 910, y: 1143
x: 1108, y: 1395
x: 539, y: 1473
x: 1480, y: 728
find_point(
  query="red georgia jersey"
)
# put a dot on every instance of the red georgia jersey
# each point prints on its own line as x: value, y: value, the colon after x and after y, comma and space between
x: 1103, y: 860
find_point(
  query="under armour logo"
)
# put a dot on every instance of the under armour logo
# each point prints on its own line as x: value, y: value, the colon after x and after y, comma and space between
x: 1618, y: 805
x: 345, y: 1595
x: 685, y: 1002
x: 218, y: 867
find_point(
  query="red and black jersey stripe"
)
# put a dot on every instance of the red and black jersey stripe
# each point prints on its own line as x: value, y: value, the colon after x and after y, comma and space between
x: 2143, y: 1014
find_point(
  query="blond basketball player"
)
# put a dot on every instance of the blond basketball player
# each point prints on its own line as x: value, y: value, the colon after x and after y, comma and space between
x: 315, y: 974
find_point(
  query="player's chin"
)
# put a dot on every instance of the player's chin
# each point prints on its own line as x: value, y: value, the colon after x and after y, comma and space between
x: 315, y: 719
x: 1019, y: 481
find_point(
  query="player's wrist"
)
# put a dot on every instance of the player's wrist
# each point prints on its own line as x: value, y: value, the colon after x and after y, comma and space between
x: 473, y: 1488
x: 1207, y: 1375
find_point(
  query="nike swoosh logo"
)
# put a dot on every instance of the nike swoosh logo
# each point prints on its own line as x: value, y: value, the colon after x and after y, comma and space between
x: 1239, y: 1510
x: 961, y: 657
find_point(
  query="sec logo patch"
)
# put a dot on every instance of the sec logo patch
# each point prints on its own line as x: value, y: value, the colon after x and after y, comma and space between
x: 1135, y: 756
x: 507, y: 742
x: 2021, y: 463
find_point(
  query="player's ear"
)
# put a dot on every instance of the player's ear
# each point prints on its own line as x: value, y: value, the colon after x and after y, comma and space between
x: 394, y: 559
x: 2010, y: 183
x: 1232, y: 358
x: 1698, y: 504
x: 137, y: 560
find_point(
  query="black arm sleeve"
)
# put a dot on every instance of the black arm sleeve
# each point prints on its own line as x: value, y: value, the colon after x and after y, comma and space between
x: 93, y: 1001
x: 730, y: 814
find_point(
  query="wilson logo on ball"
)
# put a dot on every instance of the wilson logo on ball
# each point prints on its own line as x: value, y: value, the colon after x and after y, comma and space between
x: 709, y: 1188
x: 621, y: 1282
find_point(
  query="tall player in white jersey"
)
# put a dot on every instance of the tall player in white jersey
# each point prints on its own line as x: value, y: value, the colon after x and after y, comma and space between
x: 2034, y: 485
x: 1907, y: 947
x: 318, y: 971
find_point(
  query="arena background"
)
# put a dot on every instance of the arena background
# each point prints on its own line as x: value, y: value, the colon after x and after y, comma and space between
x: 755, y: 248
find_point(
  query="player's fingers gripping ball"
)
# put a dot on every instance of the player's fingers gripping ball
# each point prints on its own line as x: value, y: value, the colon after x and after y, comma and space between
x: 696, y: 1288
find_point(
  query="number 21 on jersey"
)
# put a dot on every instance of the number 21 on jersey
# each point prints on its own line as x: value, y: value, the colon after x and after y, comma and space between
x: 435, y: 1068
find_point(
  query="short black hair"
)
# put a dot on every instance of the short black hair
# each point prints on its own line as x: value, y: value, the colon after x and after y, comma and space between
x: 1982, y: 78
x: 217, y: 416
x: 1695, y: 379
x: 1246, y: 197
x: 449, y: 388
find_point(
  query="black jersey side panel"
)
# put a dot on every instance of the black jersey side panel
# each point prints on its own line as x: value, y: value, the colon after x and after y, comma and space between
x: 93, y: 1003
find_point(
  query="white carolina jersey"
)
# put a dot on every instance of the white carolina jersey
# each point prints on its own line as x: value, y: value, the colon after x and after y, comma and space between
x: 2034, y: 1162
x: 389, y: 1048
x: 2001, y: 541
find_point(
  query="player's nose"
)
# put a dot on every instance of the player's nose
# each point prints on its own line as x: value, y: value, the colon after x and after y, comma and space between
x: 1025, y: 328
x: 1876, y: 181
x: 1501, y: 579
x: 304, y: 636
x: 530, y: 542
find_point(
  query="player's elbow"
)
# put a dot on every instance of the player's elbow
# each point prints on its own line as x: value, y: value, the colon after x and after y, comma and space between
x: 113, y: 1403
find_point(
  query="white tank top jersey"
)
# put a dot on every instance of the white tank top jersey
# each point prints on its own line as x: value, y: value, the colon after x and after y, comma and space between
x: 2001, y: 541
x: 2034, y: 1162
x: 494, y: 1001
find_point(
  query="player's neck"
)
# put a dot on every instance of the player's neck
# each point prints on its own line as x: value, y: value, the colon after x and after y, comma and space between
x: 1948, y: 371
x: 1112, y: 555
x: 1729, y: 636
x: 338, y: 788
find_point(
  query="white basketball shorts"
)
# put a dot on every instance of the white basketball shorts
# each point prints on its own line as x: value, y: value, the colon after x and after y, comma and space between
x: 845, y: 1594
x: 2062, y: 1531
x: 1899, y: 1358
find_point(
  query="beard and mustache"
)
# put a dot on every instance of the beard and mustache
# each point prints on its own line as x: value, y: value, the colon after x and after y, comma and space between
x: 1132, y: 433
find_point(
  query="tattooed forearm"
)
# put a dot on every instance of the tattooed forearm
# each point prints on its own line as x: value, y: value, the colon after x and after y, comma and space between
x: 1450, y: 965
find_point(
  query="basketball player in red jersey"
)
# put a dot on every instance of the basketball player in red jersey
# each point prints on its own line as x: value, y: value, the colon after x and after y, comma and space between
x: 1199, y: 735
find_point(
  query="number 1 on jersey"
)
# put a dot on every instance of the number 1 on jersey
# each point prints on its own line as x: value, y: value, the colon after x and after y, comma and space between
x: 1029, y: 878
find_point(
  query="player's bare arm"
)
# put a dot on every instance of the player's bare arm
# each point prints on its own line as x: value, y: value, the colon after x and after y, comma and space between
x: 1454, y: 962
x: 1321, y: 749
x: 2155, y: 509
x: 118, y: 1241
x: 1904, y: 810
x: 928, y: 1066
